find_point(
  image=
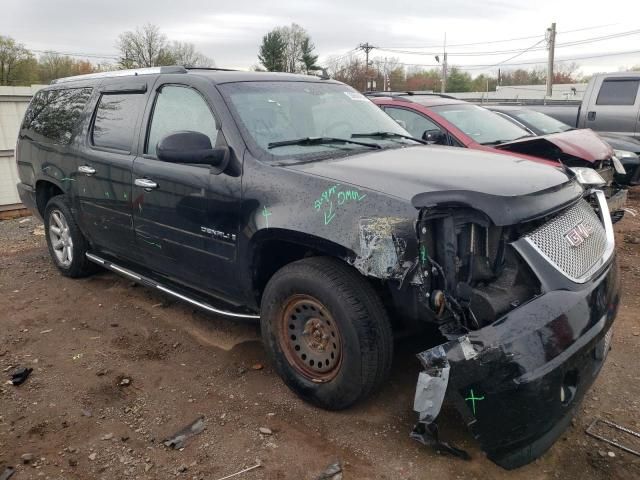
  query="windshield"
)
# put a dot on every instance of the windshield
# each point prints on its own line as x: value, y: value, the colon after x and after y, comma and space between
x: 480, y: 124
x: 271, y: 112
x: 541, y: 123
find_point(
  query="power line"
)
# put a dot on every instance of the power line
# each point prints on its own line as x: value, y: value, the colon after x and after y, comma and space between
x: 503, y: 52
x: 505, y: 40
x: 472, y: 67
x: 69, y: 54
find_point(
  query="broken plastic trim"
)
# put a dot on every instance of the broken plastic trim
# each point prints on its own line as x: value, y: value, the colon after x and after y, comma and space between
x: 430, y: 393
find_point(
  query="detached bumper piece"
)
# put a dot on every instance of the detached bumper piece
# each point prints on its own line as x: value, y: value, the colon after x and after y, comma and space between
x: 518, y: 381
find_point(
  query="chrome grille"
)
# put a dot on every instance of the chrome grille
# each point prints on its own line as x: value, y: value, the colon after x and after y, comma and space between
x: 577, y: 261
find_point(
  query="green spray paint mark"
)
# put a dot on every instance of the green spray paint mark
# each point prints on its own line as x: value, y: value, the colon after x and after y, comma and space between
x: 474, y: 399
x: 157, y: 245
x: 329, y: 215
x: 423, y: 254
x: 124, y: 195
x: 332, y: 198
x: 67, y: 179
x: 106, y: 194
x: 266, y: 214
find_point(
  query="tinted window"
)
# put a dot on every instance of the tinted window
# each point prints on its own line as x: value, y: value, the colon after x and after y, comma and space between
x: 54, y: 113
x: 179, y: 108
x: 618, y: 92
x: 413, y: 122
x: 115, y: 121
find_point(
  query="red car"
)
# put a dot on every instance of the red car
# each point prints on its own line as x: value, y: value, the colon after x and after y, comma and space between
x: 444, y: 120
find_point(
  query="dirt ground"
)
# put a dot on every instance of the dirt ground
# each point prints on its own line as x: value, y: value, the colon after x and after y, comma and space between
x: 119, y: 368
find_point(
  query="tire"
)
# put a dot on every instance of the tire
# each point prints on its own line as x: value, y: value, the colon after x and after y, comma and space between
x: 62, y: 229
x: 308, y: 305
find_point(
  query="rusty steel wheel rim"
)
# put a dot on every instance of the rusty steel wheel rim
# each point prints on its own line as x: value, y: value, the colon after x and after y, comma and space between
x: 310, y: 338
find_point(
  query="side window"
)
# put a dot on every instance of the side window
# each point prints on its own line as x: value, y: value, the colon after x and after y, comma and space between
x: 54, y: 113
x: 618, y: 92
x: 416, y: 124
x: 115, y: 120
x: 179, y: 108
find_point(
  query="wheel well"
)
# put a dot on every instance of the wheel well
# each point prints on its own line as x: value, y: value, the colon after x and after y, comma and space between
x: 44, y: 191
x: 273, y: 254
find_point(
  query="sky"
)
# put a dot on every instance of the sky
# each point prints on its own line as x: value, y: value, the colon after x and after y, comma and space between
x: 231, y: 31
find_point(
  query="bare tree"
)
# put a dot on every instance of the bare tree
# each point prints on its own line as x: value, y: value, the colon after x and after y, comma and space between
x: 185, y: 53
x: 146, y: 47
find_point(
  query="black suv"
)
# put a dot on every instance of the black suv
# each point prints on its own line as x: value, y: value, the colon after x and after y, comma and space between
x: 296, y: 201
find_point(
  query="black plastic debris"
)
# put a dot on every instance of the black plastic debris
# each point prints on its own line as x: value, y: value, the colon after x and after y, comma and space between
x: 7, y: 473
x: 427, y: 434
x: 19, y: 375
x: 332, y: 472
x: 179, y: 439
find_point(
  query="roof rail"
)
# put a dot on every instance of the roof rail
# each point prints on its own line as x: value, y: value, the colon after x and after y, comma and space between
x: 212, y: 68
x: 409, y: 93
x: 123, y: 73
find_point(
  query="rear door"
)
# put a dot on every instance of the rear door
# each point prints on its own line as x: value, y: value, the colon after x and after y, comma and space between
x: 614, y: 105
x: 105, y: 164
x: 187, y: 221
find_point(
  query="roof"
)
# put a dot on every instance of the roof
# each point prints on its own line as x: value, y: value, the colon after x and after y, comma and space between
x: 217, y: 75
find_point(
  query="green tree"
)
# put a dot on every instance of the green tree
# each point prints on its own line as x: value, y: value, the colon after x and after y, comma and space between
x: 272, y: 54
x: 284, y: 49
x: 16, y: 63
x: 458, y: 81
x: 397, y: 79
x: 307, y: 57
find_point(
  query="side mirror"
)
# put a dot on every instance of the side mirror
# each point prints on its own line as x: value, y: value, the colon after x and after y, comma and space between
x: 435, y: 136
x: 192, y: 148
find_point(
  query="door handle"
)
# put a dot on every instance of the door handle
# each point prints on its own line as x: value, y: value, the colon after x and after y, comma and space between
x: 591, y: 116
x: 145, y: 183
x: 87, y: 170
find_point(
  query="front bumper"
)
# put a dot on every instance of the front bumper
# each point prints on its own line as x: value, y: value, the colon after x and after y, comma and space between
x: 518, y: 381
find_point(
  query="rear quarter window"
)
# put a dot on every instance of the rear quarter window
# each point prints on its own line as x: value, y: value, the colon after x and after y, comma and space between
x: 115, y: 120
x: 53, y: 114
x: 618, y: 92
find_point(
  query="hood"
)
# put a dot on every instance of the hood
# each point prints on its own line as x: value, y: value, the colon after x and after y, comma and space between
x: 584, y: 144
x: 621, y: 142
x: 458, y: 173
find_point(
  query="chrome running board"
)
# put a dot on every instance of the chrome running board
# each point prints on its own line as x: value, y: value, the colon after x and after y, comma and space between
x: 153, y: 284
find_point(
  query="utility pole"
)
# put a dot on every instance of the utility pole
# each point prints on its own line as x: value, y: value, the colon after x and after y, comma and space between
x: 367, y: 48
x: 443, y: 84
x: 551, y: 43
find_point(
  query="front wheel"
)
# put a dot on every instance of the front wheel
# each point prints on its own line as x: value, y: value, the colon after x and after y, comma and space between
x: 67, y: 245
x: 326, y: 332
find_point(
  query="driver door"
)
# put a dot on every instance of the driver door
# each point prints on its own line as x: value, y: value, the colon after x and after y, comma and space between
x: 185, y: 218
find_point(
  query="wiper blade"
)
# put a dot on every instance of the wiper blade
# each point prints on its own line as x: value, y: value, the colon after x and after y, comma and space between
x: 389, y: 135
x: 320, y: 141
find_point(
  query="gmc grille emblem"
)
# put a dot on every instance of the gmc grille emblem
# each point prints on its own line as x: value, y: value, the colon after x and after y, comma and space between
x: 578, y: 234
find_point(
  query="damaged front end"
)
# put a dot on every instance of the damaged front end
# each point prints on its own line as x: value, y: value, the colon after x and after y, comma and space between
x: 525, y: 294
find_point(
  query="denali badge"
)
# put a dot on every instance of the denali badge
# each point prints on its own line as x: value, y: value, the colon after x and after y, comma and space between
x: 218, y: 234
x: 578, y: 234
